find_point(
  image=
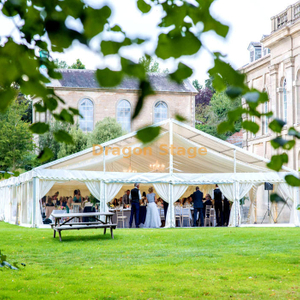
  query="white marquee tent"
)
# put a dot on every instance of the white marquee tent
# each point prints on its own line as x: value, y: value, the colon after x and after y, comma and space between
x: 237, y: 172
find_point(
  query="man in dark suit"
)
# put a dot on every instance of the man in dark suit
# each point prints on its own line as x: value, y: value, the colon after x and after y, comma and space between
x: 135, y: 197
x: 166, y: 206
x: 226, y: 211
x: 218, y: 206
x: 198, y: 206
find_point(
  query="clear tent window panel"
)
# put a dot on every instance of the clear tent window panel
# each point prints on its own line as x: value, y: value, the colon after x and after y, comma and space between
x: 124, y: 115
x: 86, y: 110
x: 160, y: 111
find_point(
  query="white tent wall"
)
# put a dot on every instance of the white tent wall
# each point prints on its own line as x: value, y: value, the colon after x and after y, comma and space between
x: 224, y: 159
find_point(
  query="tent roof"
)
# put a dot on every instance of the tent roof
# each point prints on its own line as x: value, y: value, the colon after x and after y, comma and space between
x: 219, y: 158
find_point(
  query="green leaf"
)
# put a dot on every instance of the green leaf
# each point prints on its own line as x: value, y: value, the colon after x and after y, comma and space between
x: 250, y: 126
x: 225, y: 126
x: 175, y: 45
x: 74, y: 111
x: 116, y: 28
x: 40, y: 108
x: 63, y: 137
x: 180, y: 118
x: 95, y: 19
x: 45, y: 155
x: 143, y: 6
x: 147, y: 135
x: 182, y: 72
x: 109, y: 78
x: 276, y: 125
x: 252, y: 97
x: 274, y: 198
x: 277, y: 162
x: 7, y: 96
x: 235, y: 115
x: 233, y: 92
x: 224, y: 75
x: 294, y: 132
x: 280, y: 142
x: 111, y: 47
x: 39, y: 128
x: 145, y: 90
x: 292, y: 180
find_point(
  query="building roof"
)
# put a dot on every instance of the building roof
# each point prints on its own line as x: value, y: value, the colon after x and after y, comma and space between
x: 236, y: 139
x: 73, y: 78
x: 254, y: 44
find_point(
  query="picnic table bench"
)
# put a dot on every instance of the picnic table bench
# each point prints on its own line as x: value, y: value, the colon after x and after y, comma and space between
x: 67, y: 224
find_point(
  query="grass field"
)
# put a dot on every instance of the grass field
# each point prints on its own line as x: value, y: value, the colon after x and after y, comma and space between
x: 213, y: 263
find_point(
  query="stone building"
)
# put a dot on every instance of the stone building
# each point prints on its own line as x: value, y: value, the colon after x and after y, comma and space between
x: 80, y: 89
x: 275, y: 68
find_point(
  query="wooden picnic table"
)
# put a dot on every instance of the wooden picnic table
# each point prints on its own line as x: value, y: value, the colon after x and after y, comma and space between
x: 67, y: 224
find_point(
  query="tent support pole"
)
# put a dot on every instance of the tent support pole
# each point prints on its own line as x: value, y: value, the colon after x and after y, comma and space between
x: 170, y: 144
x: 104, y: 166
x: 295, y: 204
x: 234, y: 188
x: 34, y: 194
x: 170, y: 209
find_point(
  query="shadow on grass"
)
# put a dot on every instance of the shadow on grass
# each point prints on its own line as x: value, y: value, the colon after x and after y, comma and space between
x: 76, y: 238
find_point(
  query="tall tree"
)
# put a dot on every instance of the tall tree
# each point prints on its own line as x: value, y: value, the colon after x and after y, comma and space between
x: 61, y: 64
x: 16, y: 140
x: 105, y: 130
x: 197, y: 85
x: 80, y: 142
x: 215, y: 113
x: 151, y: 65
x: 77, y: 65
x: 47, y: 140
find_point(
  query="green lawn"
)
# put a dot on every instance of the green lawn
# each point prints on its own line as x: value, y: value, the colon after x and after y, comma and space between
x: 223, y: 263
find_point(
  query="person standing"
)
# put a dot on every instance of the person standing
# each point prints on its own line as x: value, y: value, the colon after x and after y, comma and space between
x: 226, y: 211
x: 218, y: 206
x: 152, y: 216
x: 166, y: 206
x: 126, y: 198
x: 198, y: 206
x: 135, y: 197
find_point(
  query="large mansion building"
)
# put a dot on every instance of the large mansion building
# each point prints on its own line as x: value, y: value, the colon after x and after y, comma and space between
x: 80, y: 89
x: 275, y: 68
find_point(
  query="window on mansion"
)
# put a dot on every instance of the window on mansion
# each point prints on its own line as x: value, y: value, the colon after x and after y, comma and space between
x: 284, y: 95
x: 265, y: 121
x: 86, y: 110
x: 124, y: 115
x: 160, y: 111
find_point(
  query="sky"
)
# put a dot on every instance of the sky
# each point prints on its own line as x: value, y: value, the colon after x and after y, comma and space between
x: 248, y: 21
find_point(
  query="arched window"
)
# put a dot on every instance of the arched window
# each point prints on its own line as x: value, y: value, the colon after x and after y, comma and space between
x: 86, y: 109
x: 160, y: 111
x: 124, y: 115
x: 284, y: 101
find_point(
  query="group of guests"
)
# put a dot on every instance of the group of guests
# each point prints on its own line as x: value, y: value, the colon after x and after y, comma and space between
x: 220, y: 204
x: 65, y: 201
x: 134, y: 197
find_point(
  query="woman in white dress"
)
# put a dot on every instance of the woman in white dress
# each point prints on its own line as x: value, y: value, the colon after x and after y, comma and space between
x: 152, y: 216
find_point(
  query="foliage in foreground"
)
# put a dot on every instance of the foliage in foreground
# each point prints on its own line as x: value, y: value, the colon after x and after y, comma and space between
x: 16, y: 142
x: 44, y: 25
x: 211, y: 263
